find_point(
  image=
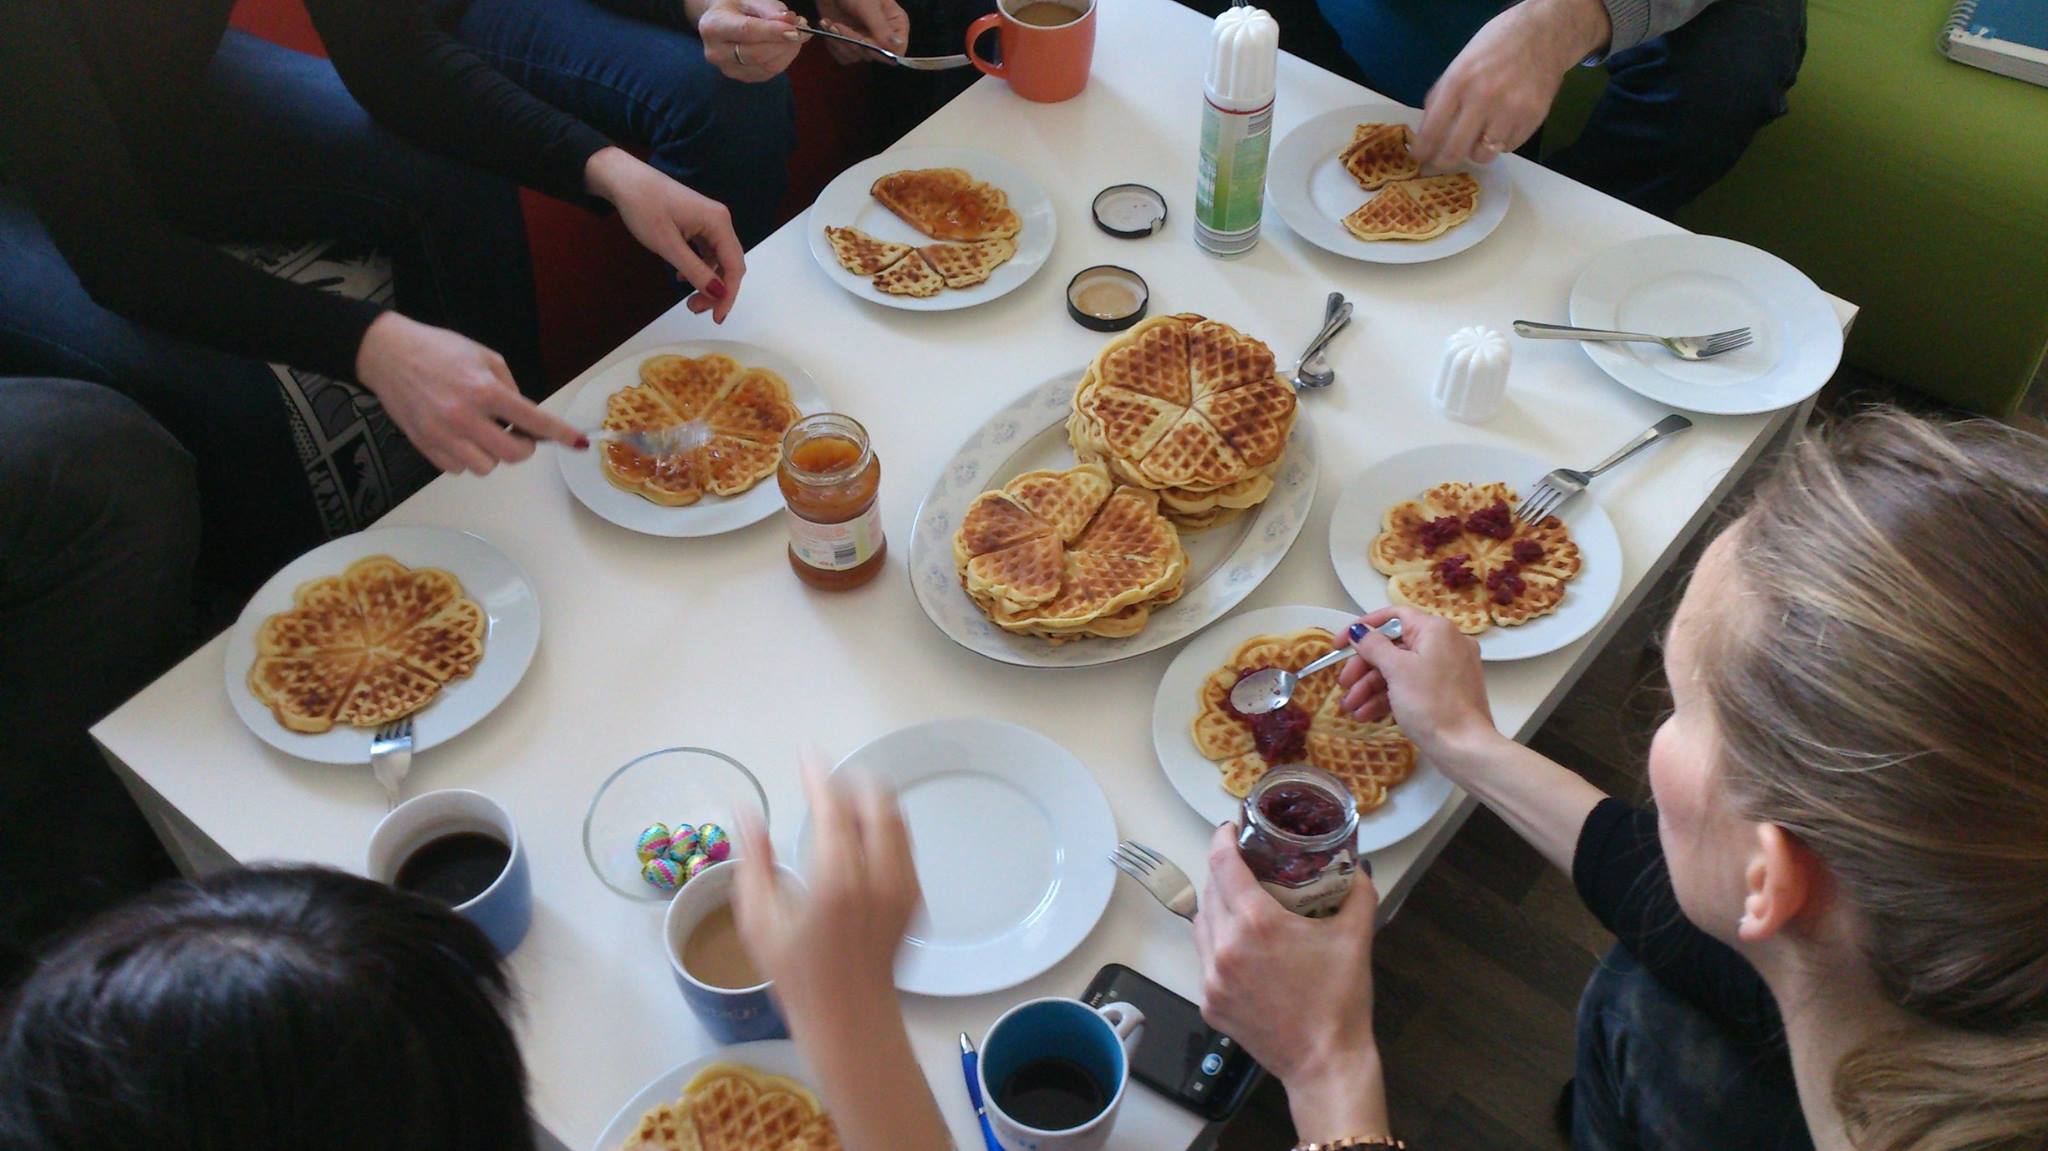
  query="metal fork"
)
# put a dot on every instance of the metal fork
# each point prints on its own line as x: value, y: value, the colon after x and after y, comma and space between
x: 1554, y: 489
x: 1159, y: 875
x: 914, y: 63
x: 1684, y: 347
x: 391, y: 756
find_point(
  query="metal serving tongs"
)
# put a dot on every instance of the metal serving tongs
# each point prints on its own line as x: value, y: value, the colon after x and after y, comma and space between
x: 914, y: 63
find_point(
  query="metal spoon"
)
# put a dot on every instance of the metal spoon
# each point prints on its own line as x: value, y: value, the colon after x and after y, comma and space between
x: 1307, y: 375
x: 1270, y: 688
x: 660, y: 443
x: 915, y: 63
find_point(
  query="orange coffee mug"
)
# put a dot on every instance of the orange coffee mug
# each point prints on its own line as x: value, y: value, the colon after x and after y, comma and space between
x: 1045, y: 58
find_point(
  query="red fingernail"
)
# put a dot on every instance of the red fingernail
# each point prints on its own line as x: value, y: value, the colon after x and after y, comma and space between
x: 582, y: 443
x: 715, y: 289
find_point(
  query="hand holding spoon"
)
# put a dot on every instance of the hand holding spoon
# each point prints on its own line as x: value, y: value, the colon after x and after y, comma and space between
x: 1269, y: 689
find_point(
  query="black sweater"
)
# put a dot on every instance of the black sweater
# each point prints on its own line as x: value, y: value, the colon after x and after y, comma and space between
x: 83, y: 82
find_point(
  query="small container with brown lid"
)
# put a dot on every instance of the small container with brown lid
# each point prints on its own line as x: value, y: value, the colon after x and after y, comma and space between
x: 830, y: 478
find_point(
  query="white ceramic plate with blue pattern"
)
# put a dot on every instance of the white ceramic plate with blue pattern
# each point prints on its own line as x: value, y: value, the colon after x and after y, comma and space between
x: 1225, y: 562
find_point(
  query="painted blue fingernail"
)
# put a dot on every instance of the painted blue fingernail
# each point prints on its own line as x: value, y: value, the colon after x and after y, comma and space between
x: 1358, y: 630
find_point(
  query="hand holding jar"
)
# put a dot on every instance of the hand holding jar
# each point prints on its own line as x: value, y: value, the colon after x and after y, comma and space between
x: 1296, y: 992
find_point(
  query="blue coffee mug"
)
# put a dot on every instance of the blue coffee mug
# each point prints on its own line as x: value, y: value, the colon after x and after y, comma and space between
x: 1098, y: 1039
x: 504, y: 910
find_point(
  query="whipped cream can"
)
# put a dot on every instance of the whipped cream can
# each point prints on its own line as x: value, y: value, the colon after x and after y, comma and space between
x: 1237, y: 130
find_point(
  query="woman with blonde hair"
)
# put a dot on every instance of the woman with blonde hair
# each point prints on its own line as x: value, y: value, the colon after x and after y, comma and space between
x: 1833, y: 927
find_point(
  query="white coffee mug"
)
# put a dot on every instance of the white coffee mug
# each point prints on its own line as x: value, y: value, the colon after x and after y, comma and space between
x: 1099, y: 1039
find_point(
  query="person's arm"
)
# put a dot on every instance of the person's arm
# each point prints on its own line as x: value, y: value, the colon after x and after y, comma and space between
x: 1620, y: 872
x: 1634, y: 21
x: 60, y: 146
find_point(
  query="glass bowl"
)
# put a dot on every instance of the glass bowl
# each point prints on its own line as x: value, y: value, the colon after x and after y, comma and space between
x: 692, y: 785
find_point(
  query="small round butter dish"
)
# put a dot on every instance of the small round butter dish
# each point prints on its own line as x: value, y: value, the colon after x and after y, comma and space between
x: 1129, y: 211
x: 1106, y: 298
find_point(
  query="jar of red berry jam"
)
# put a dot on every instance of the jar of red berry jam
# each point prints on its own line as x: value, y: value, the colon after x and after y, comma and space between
x: 1299, y: 835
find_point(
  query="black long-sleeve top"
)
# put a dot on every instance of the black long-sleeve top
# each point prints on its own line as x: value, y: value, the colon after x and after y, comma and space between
x: 84, y: 82
x: 1620, y: 871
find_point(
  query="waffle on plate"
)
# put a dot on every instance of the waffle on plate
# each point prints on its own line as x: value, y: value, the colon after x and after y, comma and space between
x: 734, y: 1107
x: 1421, y: 208
x: 745, y: 410
x: 1065, y: 555
x: 948, y: 204
x: 371, y: 645
x: 1189, y: 408
x: 1458, y: 552
x: 972, y: 219
x: 1371, y: 758
x: 1379, y: 153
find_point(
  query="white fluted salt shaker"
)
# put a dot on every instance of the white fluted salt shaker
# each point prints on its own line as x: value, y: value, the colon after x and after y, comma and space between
x: 1474, y: 377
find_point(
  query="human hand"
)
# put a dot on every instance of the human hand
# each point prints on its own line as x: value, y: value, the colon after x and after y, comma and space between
x: 452, y: 397
x: 750, y: 40
x: 692, y: 232
x: 1294, y: 992
x: 880, y: 22
x: 1431, y: 681
x: 1499, y: 89
x: 836, y: 947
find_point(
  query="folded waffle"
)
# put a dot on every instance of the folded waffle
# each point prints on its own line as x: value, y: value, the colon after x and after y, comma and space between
x: 371, y: 645
x: 1417, y: 209
x: 1458, y: 552
x: 1379, y: 153
x: 948, y: 204
x: 745, y: 412
x: 913, y: 275
x: 1062, y: 555
x: 862, y: 254
x: 1189, y: 408
x: 1371, y: 758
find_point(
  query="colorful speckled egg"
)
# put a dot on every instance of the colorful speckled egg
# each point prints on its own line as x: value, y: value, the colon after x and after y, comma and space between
x: 662, y: 874
x: 712, y: 841
x: 696, y: 865
x: 653, y: 842
x: 682, y: 842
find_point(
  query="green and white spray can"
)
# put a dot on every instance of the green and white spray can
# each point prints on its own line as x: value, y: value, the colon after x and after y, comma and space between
x: 1237, y: 130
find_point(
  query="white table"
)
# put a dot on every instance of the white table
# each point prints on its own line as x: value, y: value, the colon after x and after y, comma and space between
x: 638, y: 632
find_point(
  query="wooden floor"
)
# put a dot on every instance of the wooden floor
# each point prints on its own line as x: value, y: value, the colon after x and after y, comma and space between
x: 1478, y: 976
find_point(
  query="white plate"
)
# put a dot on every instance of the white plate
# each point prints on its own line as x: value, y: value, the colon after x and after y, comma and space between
x: 1588, y: 596
x: 1688, y: 285
x: 1225, y: 562
x: 488, y: 577
x: 775, y: 1056
x: 846, y: 203
x: 709, y: 516
x: 1409, y: 806
x: 1013, y: 839
x: 1313, y: 193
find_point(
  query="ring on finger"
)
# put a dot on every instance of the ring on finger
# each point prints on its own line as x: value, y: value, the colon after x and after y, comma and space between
x: 1491, y: 144
x: 739, y: 59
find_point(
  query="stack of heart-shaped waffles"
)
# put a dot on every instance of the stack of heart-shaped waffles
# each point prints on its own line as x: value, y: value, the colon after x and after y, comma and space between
x: 1063, y: 555
x: 1189, y: 408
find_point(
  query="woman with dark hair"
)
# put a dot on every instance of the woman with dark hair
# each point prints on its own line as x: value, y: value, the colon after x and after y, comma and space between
x: 291, y: 1008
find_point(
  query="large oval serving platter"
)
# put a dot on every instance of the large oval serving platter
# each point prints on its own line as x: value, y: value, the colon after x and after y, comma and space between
x: 1225, y: 562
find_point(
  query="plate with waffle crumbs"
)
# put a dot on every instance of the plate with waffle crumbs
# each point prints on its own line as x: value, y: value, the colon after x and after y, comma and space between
x: 1434, y: 528
x: 1074, y: 532
x: 374, y: 627
x: 743, y: 397
x: 1213, y: 756
x: 932, y: 229
x: 1348, y: 182
x: 748, y: 1097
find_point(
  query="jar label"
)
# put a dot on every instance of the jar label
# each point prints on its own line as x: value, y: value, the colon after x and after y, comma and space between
x: 1320, y: 896
x: 837, y: 547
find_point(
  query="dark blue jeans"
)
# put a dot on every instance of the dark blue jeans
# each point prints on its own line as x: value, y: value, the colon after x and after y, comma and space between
x: 1656, y: 1073
x: 273, y: 149
x: 635, y: 71
x: 1679, y: 109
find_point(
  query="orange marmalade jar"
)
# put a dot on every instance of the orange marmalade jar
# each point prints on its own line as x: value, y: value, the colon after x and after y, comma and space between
x: 830, y: 477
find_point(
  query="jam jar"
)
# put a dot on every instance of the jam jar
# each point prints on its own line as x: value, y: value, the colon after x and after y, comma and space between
x: 1299, y: 835
x: 829, y: 477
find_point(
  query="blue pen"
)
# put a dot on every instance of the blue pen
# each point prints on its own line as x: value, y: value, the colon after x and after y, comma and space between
x: 970, y: 1064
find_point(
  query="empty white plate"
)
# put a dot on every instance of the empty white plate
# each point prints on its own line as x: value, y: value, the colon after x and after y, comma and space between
x: 1012, y: 839
x: 1313, y: 193
x: 1588, y: 597
x: 1688, y: 285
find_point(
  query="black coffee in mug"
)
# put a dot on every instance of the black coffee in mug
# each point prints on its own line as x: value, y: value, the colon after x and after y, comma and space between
x: 454, y: 868
x: 1052, y: 1094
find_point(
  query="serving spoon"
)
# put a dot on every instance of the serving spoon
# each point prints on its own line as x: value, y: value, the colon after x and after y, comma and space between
x: 1269, y: 689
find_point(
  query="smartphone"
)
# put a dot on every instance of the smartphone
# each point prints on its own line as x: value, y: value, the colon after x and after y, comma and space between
x: 1178, y: 1055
